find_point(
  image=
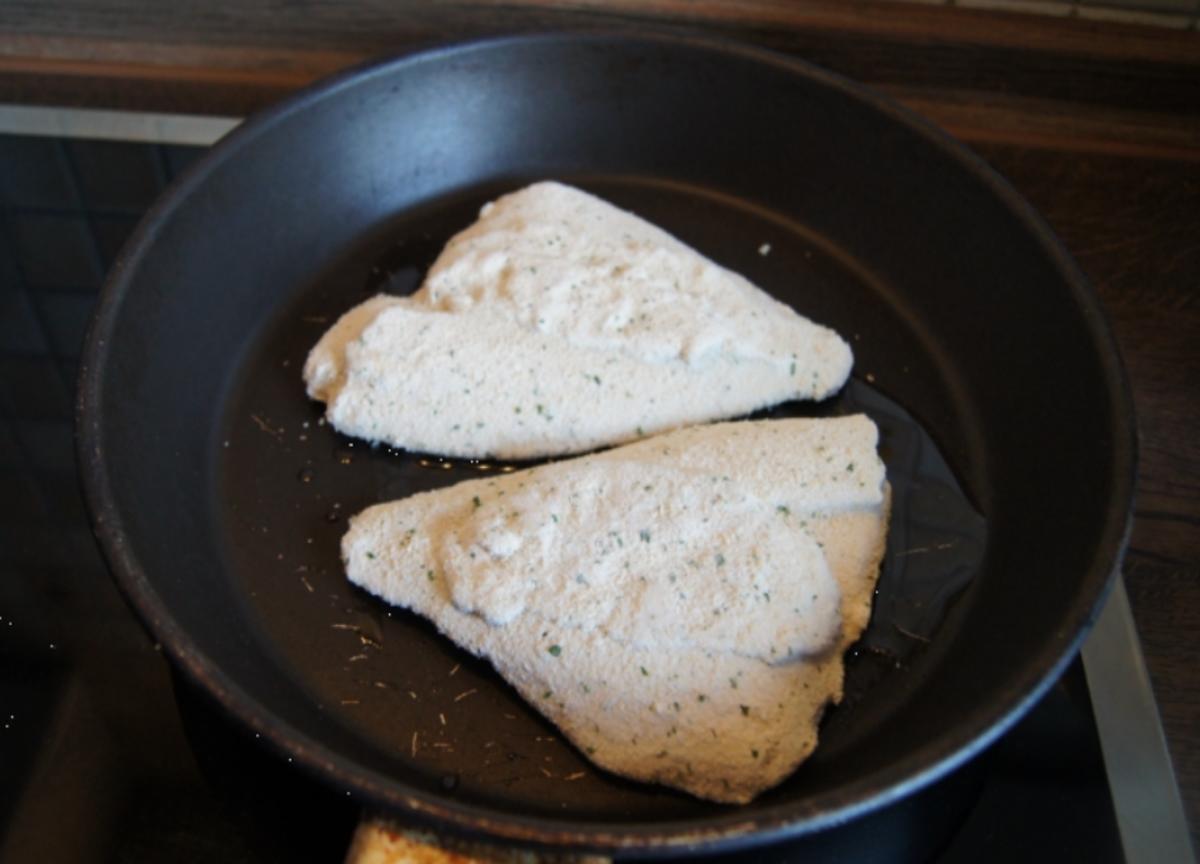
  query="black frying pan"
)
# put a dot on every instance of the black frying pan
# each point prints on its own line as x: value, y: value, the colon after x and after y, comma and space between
x: 219, y: 498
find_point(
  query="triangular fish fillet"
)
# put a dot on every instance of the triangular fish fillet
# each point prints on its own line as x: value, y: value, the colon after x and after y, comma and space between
x: 559, y: 324
x: 679, y: 607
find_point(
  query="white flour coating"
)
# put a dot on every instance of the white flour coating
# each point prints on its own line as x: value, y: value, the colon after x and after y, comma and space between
x: 679, y: 607
x: 557, y: 324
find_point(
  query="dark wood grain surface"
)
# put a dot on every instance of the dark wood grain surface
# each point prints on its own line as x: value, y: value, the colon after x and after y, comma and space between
x: 1097, y: 124
x: 1134, y: 227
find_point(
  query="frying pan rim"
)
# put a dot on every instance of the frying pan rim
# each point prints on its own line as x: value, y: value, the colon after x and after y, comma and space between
x: 727, y: 831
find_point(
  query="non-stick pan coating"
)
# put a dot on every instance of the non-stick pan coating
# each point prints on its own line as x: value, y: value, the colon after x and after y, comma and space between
x: 219, y: 496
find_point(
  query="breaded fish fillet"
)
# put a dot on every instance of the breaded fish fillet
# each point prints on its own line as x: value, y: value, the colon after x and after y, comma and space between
x: 559, y: 324
x: 679, y: 607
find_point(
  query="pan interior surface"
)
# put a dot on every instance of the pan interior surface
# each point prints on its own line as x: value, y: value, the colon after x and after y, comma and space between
x: 288, y: 482
x: 222, y: 503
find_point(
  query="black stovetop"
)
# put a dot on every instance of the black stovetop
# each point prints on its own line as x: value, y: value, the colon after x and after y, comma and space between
x: 103, y: 757
x: 107, y: 759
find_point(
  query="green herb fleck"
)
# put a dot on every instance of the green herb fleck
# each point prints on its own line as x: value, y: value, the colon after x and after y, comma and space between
x: 429, y: 574
x: 644, y: 672
x: 645, y: 535
x: 754, y: 753
x: 477, y: 502
x: 745, y: 710
x: 554, y: 516
x: 371, y: 555
x: 783, y: 509
x: 733, y: 683
x: 641, y: 431
x: 720, y: 560
x: 547, y: 694
x: 850, y: 467
x: 554, y: 650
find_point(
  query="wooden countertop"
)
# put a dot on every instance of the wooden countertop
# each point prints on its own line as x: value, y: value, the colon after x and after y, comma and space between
x: 1097, y: 123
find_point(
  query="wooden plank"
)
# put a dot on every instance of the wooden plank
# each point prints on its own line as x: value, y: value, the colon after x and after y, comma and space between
x: 979, y: 92
x: 265, y: 24
x: 1133, y: 225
